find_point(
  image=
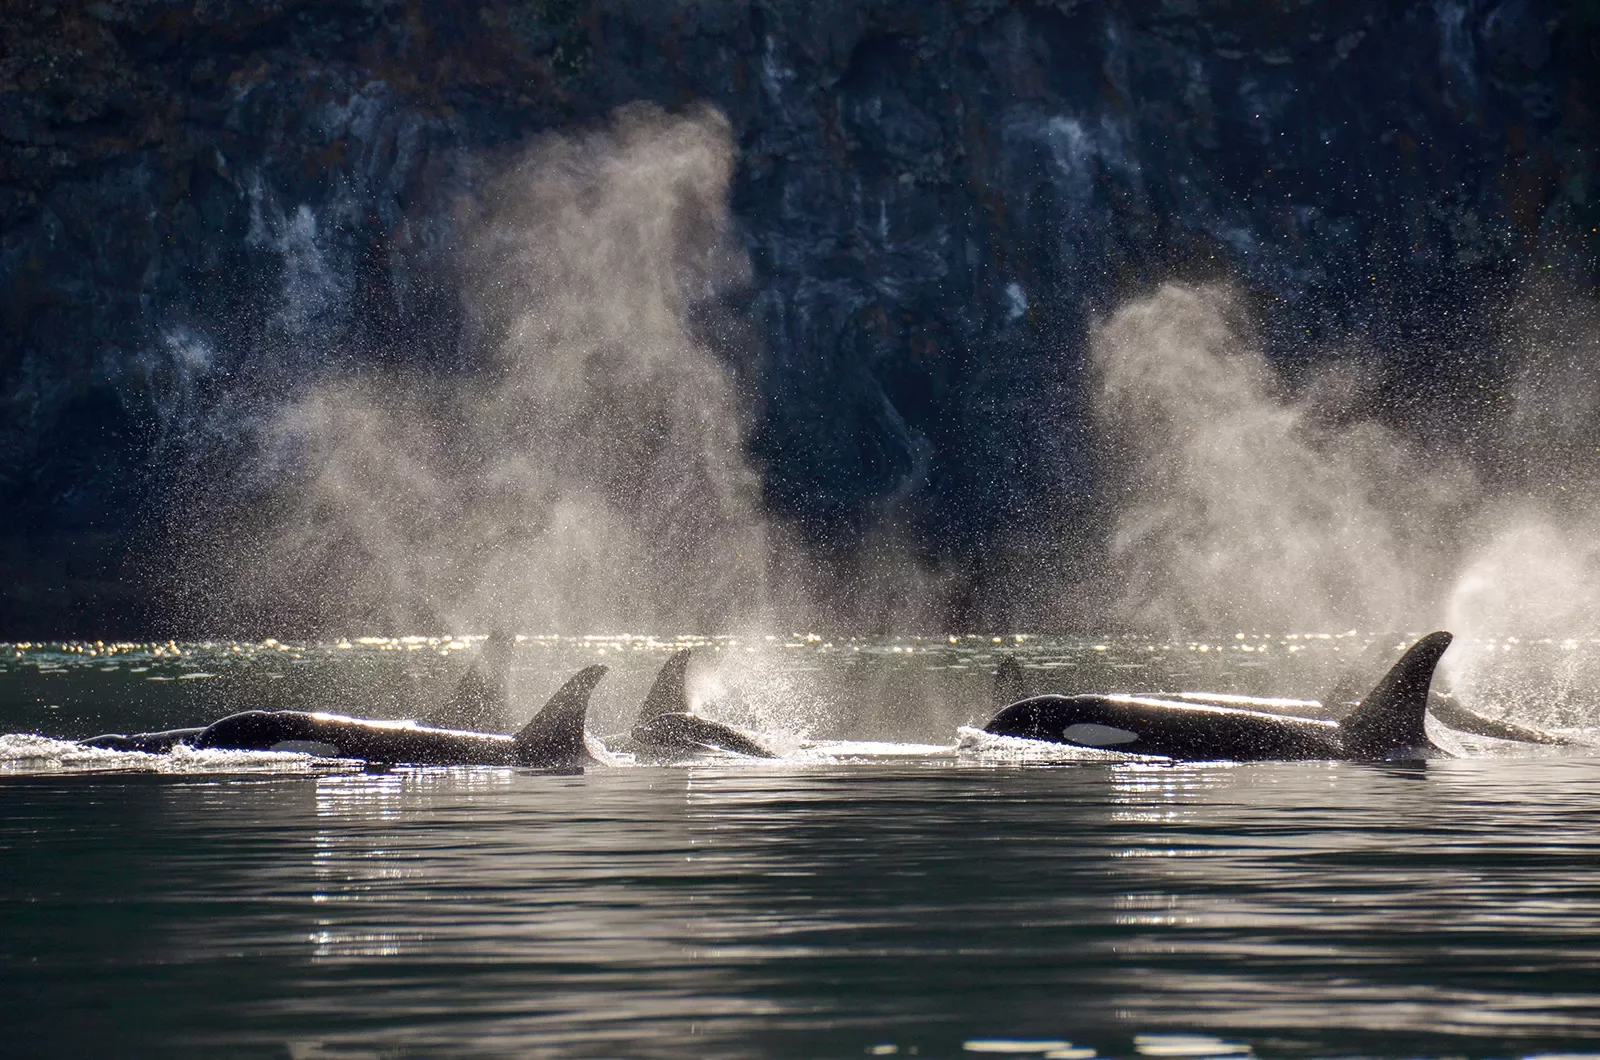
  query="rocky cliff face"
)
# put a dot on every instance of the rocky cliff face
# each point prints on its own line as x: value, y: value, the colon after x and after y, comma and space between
x: 205, y: 204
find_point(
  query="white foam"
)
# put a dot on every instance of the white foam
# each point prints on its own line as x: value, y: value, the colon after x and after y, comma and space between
x: 26, y: 753
x: 604, y: 755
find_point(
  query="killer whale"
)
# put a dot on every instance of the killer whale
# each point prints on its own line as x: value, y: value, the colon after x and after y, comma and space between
x: 479, y: 703
x: 554, y: 739
x: 1387, y: 724
x: 1010, y: 686
x: 667, y: 727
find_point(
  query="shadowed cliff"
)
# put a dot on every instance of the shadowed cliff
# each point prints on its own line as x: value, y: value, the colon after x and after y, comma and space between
x: 207, y: 207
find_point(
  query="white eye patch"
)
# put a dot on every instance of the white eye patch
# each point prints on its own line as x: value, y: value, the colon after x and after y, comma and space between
x: 1088, y: 734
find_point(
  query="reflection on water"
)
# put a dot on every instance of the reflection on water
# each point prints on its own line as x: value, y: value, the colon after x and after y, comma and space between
x: 1450, y: 908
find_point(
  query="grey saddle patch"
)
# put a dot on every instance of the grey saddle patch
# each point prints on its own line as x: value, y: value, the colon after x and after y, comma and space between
x: 1088, y: 734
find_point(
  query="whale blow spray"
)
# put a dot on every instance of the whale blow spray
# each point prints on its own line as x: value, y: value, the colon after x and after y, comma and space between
x: 589, y: 470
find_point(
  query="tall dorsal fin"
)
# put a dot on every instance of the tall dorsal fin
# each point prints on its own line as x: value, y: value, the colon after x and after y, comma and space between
x: 554, y: 737
x: 1391, y: 717
x: 668, y: 695
x: 1009, y: 684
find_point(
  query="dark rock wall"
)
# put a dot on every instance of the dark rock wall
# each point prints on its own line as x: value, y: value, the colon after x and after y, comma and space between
x: 204, y: 203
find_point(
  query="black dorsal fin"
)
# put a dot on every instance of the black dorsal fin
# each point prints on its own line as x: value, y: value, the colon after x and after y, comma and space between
x: 1009, y: 685
x: 668, y: 695
x: 554, y: 738
x: 481, y: 700
x: 1391, y: 717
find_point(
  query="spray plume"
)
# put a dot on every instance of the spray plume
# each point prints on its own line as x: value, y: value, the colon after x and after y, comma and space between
x: 1239, y: 507
x: 591, y: 474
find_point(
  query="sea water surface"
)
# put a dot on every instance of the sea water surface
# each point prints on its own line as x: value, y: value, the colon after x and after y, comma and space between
x: 879, y: 891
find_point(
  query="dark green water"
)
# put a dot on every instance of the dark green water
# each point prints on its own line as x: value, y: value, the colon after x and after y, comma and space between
x: 838, y: 902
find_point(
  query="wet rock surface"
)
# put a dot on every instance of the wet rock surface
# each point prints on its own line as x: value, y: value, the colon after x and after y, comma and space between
x: 206, y: 204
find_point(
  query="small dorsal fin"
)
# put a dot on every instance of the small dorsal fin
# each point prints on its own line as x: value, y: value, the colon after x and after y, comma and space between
x: 1391, y: 717
x: 554, y: 737
x: 1009, y: 684
x: 481, y: 700
x: 1344, y: 695
x: 668, y: 695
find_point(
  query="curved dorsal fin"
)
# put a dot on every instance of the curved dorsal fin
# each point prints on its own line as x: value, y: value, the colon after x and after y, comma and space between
x: 668, y: 695
x: 1009, y: 684
x: 554, y: 737
x: 1390, y: 718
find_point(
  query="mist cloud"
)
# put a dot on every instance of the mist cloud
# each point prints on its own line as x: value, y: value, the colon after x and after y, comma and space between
x: 591, y: 473
x: 1238, y: 506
